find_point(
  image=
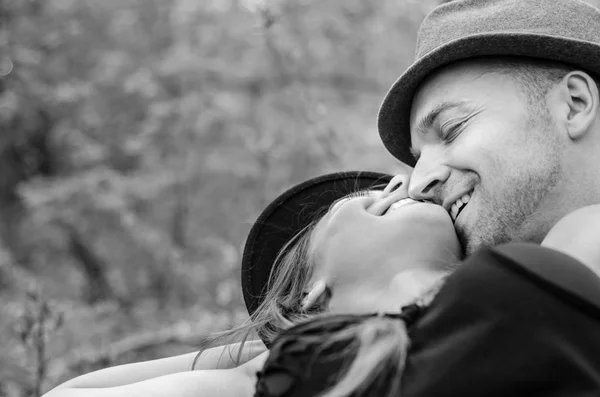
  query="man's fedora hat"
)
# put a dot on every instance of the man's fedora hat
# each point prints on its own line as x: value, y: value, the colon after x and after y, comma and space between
x: 289, y: 214
x: 566, y: 31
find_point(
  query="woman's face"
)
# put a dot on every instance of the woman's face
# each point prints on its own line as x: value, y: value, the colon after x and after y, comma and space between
x: 381, y: 250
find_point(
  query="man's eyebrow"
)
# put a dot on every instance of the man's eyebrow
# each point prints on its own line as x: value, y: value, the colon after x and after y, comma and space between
x: 427, y: 122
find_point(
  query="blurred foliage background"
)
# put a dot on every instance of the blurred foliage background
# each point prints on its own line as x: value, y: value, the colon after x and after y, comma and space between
x: 139, y: 139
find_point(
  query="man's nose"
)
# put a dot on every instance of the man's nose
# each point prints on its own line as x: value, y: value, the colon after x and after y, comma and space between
x: 428, y: 177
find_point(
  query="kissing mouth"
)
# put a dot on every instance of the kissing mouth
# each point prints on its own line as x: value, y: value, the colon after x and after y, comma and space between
x: 459, y: 205
x: 397, y: 204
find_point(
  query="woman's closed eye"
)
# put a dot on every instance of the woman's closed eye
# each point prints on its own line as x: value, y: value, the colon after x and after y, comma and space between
x: 359, y: 193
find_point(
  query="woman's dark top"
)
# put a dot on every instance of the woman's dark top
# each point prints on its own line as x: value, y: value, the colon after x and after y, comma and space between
x: 516, y: 320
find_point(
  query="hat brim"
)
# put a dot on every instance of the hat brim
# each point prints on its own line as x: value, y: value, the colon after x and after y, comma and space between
x: 289, y: 214
x: 394, y: 113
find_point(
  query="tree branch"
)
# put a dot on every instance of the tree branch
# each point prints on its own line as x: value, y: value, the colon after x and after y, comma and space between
x: 182, y: 333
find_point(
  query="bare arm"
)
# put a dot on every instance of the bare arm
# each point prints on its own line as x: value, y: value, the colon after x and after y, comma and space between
x: 234, y: 382
x: 224, y: 357
x: 221, y: 357
x: 578, y: 235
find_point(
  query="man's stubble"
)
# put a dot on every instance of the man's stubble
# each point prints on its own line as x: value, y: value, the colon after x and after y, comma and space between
x: 511, y: 211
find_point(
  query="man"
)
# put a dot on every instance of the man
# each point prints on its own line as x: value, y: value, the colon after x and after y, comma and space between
x: 500, y: 115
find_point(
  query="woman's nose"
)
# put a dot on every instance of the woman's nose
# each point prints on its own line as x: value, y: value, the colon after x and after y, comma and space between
x: 396, y: 190
x: 398, y: 182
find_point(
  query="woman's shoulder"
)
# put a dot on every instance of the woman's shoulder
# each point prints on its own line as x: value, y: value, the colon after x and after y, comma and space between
x: 507, y: 299
x: 507, y: 318
x: 553, y: 272
x: 553, y: 268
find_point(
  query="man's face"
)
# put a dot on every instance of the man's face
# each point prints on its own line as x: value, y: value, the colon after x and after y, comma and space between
x: 485, y: 154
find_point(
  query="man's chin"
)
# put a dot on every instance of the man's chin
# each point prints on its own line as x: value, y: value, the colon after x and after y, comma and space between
x: 475, y: 240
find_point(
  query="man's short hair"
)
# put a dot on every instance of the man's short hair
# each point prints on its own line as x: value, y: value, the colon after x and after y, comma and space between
x: 536, y: 76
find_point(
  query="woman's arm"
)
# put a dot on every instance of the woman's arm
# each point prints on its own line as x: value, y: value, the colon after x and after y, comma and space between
x: 235, y: 382
x: 222, y: 357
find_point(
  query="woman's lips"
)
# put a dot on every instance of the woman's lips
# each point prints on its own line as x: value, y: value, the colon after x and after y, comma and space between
x: 397, y: 204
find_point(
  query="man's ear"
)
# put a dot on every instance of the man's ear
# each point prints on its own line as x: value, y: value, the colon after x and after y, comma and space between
x: 582, y: 100
x: 317, y: 296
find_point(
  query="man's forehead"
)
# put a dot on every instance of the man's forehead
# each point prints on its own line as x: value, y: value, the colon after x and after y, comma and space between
x: 446, y: 85
x: 459, y: 78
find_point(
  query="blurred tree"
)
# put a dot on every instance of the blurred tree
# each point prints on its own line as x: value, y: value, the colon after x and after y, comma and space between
x: 25, y: 122
x: 139, y: 139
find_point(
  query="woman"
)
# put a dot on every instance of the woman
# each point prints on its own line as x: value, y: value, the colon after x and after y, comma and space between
x: 284, y: 277
x: 515, y: 320
x: 282, y: 250
x: 357, y: 258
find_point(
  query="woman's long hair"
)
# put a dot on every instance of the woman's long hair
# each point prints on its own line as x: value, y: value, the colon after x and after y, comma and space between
x: 281, y: 307
x: 361, y: 355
